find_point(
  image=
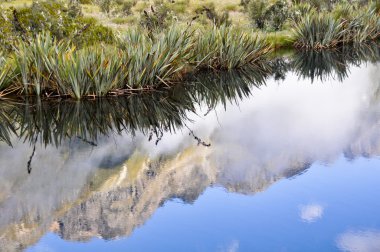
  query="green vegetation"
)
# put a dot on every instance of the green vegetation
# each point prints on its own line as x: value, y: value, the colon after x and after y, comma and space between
x: 63, y: 21
x: 138, y: 62
x: 116, y: 47
x: 54, y: 121
x: 320, y: 31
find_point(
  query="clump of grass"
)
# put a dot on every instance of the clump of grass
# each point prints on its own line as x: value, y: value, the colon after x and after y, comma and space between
x: 106, y: 71
x: 364, y: 27
x: 228, y: 48
x: 279, y: 40
x: 32, y: 62
x: 93, y: 71
x: 231, y: 7
x: 6, y: 75
x: 346, y: 25
x: 142, y: 61
x: 70, y: 71
x: 180, y: 6
x: 318, y: 31
x: 156, y: 60
x: 120, y: 20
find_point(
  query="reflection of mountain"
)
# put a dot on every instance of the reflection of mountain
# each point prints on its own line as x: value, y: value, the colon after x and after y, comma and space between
x: 82, y: 191
x: 113, y: 202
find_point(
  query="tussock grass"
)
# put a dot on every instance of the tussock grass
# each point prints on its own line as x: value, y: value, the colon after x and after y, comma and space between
x: 344, y: 26
x: 318, y: 31
x: 6, y: 74
x: 140, y: 61
x: 229, y: 48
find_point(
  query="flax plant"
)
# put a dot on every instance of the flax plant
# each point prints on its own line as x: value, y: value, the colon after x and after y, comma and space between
x: 71, y: 72
x: 229, y: 48
x: 159, y: 60
x: 319, y: 31
x: 33, y: 60
x: 7, y: 73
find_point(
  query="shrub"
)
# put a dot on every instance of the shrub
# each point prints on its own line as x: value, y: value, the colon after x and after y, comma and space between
x: 105, y: 5
x: 126, y: 7
x: 116, y: 7
x: 300, y: 10
x: 211, y: 14
x: 158, y: 17
x: 62, y: 23
x: 179, y: 6
x: 257, y: 11
x: 268, y: 15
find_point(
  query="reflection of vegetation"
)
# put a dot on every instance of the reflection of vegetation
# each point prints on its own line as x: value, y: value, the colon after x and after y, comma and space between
x: 320, y: 65
x: 151, y: 113
x: 155, y: 112
x: 6, y: 124
x: 332, y: 63
x: 211, y: 89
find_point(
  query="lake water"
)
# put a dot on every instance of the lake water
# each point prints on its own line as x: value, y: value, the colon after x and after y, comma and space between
x: 286, y: 160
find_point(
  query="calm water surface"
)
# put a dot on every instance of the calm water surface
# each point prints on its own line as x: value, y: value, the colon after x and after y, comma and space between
x: 293, y: 165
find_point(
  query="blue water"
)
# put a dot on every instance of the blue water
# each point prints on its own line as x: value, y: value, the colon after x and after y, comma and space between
x: 346, y: 191
x: 295, y: 166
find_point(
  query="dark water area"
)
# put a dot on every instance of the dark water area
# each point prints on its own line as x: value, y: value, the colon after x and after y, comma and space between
x: 282, y: 157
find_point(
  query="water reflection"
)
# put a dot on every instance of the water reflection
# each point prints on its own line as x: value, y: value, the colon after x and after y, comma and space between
x: 102, y: 169
x: 363, y: 241
x: 326, y: 64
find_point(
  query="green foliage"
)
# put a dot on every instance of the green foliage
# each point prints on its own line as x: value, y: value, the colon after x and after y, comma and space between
x: 211, y: 14
x: 85, y: 1
x: 159, y: 17
x: 270, y: 15
x: 6, y: 74
x: 318, y: 32
x: 300, y: 10
x: 44, y: 66
x: 31, y: 59
x: 343, y: 12
x: 62, y: 22
x: 228, y: 48
x: 116, y: 7
x: 345, y: 25
x: 179, y: 6
x: 158, y: 60
x: 105, y: 5
x: 71, y: 70
x: 106, y: 71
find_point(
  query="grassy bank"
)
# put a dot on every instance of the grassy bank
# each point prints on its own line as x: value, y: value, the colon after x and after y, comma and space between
x: 136, y: 62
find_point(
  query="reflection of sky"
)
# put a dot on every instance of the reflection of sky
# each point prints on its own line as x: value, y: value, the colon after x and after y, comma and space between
x: 268, y: 221
x: 283, y: 126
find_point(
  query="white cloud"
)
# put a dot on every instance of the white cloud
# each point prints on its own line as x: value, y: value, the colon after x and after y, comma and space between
x: 311, y: 213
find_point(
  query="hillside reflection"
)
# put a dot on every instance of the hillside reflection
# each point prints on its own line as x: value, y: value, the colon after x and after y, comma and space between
x: 102, y: 168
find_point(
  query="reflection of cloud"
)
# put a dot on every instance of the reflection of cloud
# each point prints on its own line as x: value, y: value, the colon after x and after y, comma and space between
x: 359, y: 241
x: 231, y: 247
x: 311, y: 213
